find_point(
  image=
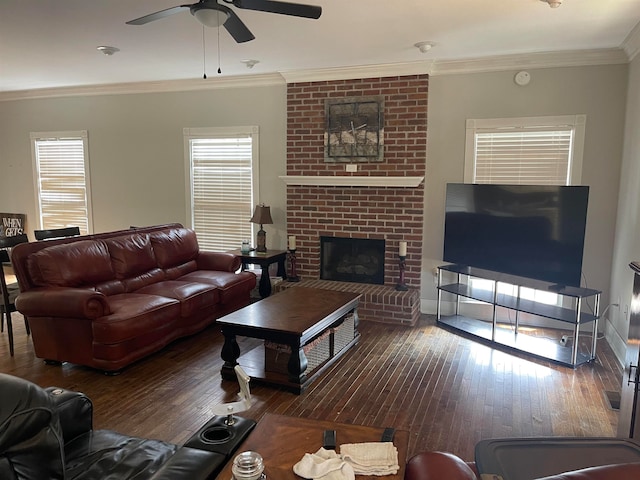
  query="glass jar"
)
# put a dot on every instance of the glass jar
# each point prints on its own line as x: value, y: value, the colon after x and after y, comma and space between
x: 245, y: 247
x: 248, y: 466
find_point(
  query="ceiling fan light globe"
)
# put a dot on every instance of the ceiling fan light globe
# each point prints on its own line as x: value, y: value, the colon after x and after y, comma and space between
x: 210, y: 17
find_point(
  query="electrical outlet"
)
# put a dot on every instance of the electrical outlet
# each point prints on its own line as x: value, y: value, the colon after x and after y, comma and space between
x: 434, y: 273
x: 351, y: 167
x: 564, y: 340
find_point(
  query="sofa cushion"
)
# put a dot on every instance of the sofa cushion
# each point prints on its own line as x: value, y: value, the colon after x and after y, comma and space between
x: 179, y: 270
x: 231, y: 285
x: 140, y: 281
x: 131, y: 255
x: 174, y: 246
x: 77, y: 264
x: 134, y: 315
x: 107, y: 454
x: 193, y: 297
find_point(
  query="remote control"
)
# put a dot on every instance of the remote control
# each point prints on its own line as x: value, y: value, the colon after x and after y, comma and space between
x: 387, y: 435
x: 329, y: 441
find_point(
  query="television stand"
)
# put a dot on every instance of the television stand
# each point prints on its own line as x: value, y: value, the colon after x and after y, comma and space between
x: 500, y: 296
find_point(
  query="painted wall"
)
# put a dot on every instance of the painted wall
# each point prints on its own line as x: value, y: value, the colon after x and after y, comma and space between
x: 136, y: 150
x: 597, y: 91
x: 627, y: 231
x: 137, y: 158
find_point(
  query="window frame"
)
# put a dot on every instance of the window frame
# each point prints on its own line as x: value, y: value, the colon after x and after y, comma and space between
x: 62, y: 135
x: 576, y: 122
x: 220, y: 132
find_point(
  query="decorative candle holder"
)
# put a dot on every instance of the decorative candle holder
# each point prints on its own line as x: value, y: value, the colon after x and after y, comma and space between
x: 401, y: 286
x: 293, y: 276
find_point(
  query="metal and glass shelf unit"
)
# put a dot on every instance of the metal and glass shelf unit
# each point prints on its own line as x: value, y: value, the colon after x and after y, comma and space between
x: 574, y: 308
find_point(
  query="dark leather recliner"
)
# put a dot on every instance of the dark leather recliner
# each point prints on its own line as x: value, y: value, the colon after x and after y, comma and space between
x: 441, y: 465
x: 47, y: 434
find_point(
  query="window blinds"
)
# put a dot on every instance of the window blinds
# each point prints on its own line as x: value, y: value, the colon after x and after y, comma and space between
x: 523, y: 156
x: 61, y: 182
x: 222, y: 194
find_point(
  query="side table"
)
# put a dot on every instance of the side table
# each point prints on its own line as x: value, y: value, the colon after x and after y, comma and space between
x: 264, y: 259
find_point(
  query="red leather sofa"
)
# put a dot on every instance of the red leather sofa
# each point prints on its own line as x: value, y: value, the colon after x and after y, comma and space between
x: 109, y: 299
x: 439, y: 466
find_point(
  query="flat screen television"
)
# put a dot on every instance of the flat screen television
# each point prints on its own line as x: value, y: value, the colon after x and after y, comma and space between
x: 534, y: 231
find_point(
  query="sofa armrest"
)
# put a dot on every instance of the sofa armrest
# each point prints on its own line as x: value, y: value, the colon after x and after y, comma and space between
x: 191, y: 464
x: 75, y: 412
x: 625, y: 471
x: 224, y: 262
x: 63, y: 302
x: 438, y: 466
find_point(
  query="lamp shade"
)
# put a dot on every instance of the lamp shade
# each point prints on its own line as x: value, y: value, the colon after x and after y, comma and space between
x: 262, y: 215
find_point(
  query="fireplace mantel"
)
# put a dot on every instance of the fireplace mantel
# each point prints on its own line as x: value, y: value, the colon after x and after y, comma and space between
x: 352, y: 180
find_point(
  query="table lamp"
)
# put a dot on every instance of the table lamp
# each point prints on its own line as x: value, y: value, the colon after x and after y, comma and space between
x: 262, y: 216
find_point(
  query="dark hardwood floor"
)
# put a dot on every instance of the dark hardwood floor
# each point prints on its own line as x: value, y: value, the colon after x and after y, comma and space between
x: 448, y: 391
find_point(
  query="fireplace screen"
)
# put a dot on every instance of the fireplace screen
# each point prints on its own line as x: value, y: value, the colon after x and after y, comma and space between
x: 357, y: 260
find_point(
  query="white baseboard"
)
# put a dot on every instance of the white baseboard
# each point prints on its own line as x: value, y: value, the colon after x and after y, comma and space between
x: 615, y: 341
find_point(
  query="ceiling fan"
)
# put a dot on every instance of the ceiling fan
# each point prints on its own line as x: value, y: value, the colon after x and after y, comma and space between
x: 213, y: 14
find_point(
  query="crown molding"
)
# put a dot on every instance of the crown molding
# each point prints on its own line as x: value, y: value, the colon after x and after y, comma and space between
x: 360, y: 71
x: 351, y: 181
x: 573, y: 58
x: 568, y: 58
x: 631, y: 44
x: 239, y: 81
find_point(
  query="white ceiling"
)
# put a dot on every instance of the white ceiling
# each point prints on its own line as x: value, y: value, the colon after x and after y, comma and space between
x: 52, y: 43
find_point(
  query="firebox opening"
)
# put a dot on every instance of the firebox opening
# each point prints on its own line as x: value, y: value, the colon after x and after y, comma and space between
x: 358, y: 260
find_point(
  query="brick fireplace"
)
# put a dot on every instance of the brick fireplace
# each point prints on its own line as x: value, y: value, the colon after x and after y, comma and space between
x: 380, y: 211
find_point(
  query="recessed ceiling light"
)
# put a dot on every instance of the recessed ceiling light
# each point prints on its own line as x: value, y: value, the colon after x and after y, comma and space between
x: 108, y: 50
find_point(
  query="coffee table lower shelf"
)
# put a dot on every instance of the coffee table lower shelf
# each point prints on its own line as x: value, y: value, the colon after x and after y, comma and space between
x: 253, y: 363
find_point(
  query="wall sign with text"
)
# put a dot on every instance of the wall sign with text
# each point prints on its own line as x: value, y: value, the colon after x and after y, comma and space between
x: 12, y: 224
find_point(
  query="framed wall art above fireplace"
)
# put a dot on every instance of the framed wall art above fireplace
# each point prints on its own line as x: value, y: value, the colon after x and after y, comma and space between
x: 354, y: 129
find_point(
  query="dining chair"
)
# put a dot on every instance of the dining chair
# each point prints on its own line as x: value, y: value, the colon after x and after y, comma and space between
x: 56, y: 233
x: 9, y: 291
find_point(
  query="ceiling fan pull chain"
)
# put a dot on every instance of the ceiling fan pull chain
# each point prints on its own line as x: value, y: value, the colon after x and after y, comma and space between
x: 204, y: 56
x: 219, y: 70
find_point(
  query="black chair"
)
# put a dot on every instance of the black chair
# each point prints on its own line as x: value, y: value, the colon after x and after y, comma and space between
x: 48, y: 434
x: 56, y: 233
x: 10, y: 291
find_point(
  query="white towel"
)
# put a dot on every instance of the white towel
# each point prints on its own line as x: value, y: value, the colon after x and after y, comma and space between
x: 371, y: 458
x: 323, y: 465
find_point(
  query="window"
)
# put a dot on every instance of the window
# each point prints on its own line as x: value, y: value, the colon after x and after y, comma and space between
x: 524, y: 151
x: 62, y: 187
x: 222, y: 172
x: 527, y: 151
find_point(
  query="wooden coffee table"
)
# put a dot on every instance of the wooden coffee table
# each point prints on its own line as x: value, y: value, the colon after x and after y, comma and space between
x: 296, y: 319
x: 282, y: 441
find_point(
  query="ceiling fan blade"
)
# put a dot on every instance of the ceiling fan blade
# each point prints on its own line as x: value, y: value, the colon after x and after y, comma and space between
x: 237, y: 29
x: 158, y: 15
x: 283, y: 8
